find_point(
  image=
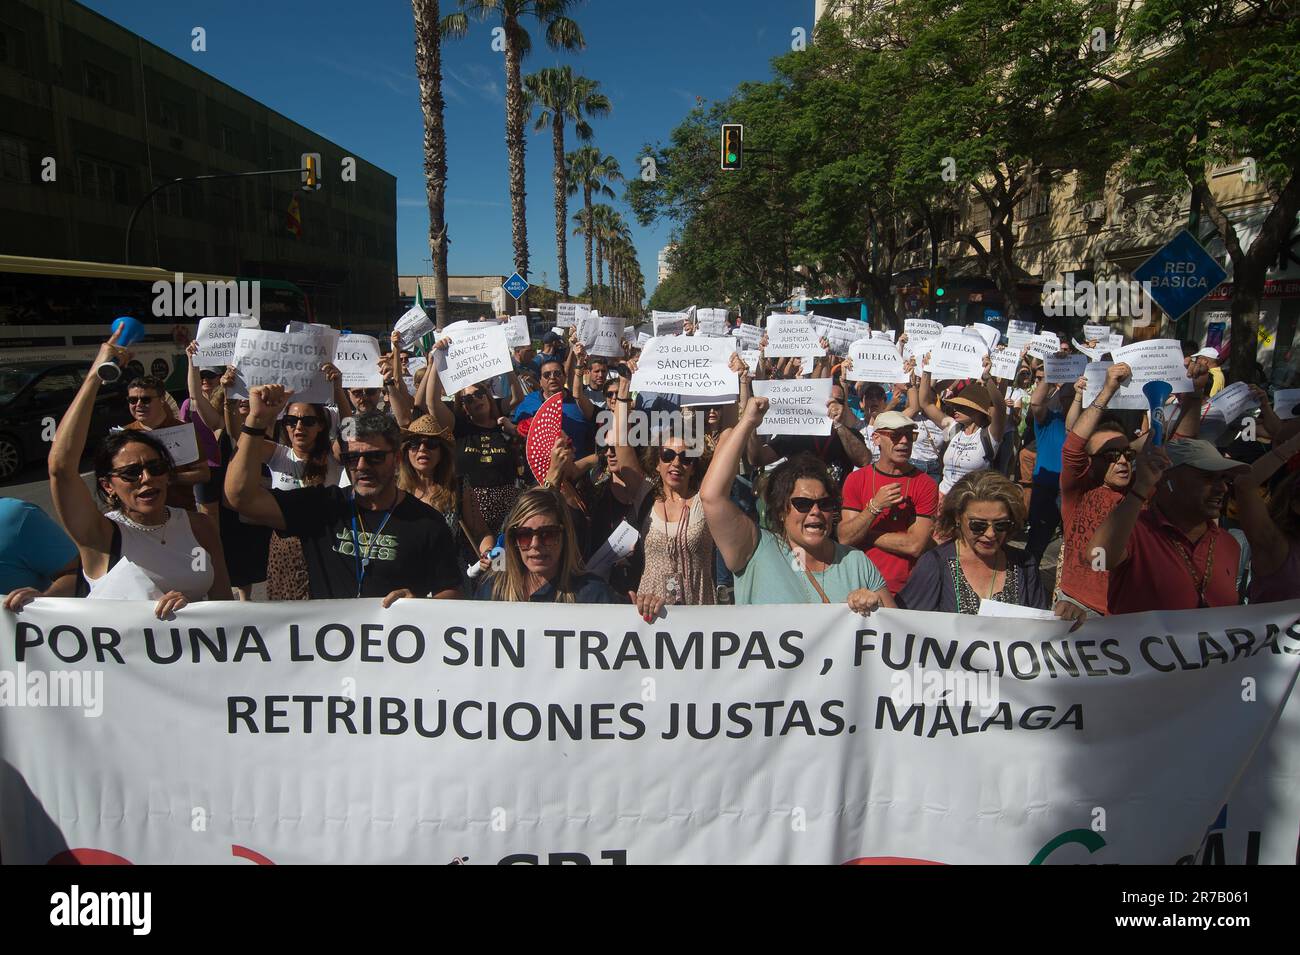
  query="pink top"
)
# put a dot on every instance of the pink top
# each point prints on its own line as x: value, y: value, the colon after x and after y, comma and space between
x: 1282, y: 584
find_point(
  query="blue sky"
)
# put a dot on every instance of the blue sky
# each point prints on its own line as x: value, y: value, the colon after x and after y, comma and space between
x: 347, y: 71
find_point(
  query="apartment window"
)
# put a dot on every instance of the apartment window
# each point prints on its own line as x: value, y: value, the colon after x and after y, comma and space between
x: 99, y: 84
x: 170, y: 114
x: 15, y: 164
x: 230, y: 140
x: 1035, y: 202
x: 100, y: 179
x: 13, y: 47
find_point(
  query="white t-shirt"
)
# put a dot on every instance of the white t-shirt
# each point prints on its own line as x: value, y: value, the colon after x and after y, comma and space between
x: 964, y: 454
x: 928, y: 443
x: 287, y: 469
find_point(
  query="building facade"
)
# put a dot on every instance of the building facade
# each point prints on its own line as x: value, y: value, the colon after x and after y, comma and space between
x: 92, y: 117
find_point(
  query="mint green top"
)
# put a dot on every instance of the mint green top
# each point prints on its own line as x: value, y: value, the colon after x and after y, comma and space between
x: 771, y: 576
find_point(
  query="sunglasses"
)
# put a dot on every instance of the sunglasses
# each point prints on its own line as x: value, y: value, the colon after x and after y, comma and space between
x: 524, y: 536
x: 611, y: 394
x: 552, y: 374
x: 805, y: 504
x: 1110, y: 457
x: 133, y: 473
x: 903, y: 434
x: 209, y: 375
x: 426, y: 444
x: 139, y: 399
x: 292, y: 421
x: 668, y: 456
x: 475, y: 395
x: 351, y: 458
x: 978, y: 527
x: 368, y: 392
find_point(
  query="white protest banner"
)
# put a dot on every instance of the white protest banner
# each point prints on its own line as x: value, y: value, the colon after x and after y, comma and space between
x: 1061, y: 370
x: 797, y: 407
x: 181, y: 441
x: 957, y: 354
x: 668, y: 323
x: 875, y: 361
x: 1128, y: 398
x: 413, y: 326
x: 1044, y: 344
x: 886, y: 334
x: 115, y: 728
x: 472, y: 357
x: 1096, y: 333
x: 1159, y: 359
x: 216, y: 339
x: 682, y: 364
x: 922, y: 328
x: 1005, y: 362
x: 748, y: 335
x: 1228, y: 406
x: 791, y: 336
x: 609, y: 338
x: 712, y: 321
x: 356, y: 357
x: 278, y: 358
x: 990, y: 334
x: 518, y: 334
x: 1019, y: 332
x: 1286, y: 402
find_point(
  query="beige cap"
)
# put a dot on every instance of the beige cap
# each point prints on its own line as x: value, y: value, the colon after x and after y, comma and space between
x: 893, y: 421
x: 1201, y: 455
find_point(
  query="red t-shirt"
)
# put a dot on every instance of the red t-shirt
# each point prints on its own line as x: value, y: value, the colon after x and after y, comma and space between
x: 920, y: 499
x: 1155, y: 574
x: 1085, y: 503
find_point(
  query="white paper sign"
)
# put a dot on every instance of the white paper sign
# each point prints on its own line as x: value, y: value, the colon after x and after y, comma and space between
x: 1116, y: 341
x: 473, y: 357
x: 875, y: 361
x: 277, y: 358
x: 1019, y: 333
x: 1044, y: 344
x: 1128, y: 398
x: 751, y: 357
x: 712, y: 321
x: 355, y: 356
x: 1096, y: 333
x: 791, y: 336
x: 1160, y: 359
x: 922, y: 328
x: 1005, y: 363
x: 568, y: 313
x: 748, y: 335
x: 642, y: 339
x: 1286, y: 402
x: 797, y: 407
x: 668, y: 323
x: 587, y: 329
x: 412, y: 326
x: 1093, y: 354
x: 1059, y: 370
x: 621, y: 543
x: 957, y: 355
x: 216, y: 339
x: 609, y: 338
x: 886, y: 334
x: 996, y: 608
x: 181, y: 441
x: 1231, y: 403
x: 990, y: 334
x: 692, y: 365
x: 517, y: 332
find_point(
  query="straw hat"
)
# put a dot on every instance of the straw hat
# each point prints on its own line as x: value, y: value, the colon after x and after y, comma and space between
x: 974, y: 397
x: 426, y: 426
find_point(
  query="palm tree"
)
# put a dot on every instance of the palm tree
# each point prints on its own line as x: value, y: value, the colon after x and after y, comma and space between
x: 562, y: 33
x: 428, y: 66
x: 559, y: 97
x: 608, y: 228
x: 591, y: 173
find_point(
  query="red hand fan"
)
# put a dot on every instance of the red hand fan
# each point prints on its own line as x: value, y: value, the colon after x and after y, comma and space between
x: 543, y: 431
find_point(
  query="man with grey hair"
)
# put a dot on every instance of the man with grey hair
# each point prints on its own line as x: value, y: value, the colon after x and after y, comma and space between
x: 368, y: 540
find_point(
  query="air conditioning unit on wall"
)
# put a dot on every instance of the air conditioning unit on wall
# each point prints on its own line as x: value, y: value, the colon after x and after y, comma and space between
x: 1094, y: 211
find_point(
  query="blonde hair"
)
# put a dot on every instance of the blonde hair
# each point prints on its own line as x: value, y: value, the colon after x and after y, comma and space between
x: 980, y: 486
x: 443, y: 481
x: 512, y: 583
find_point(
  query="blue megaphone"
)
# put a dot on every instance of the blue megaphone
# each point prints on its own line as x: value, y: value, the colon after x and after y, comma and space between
x: 131, y: 332
x: 1157, y: 393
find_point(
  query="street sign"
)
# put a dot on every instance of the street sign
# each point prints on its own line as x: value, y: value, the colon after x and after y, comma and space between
x: 1180, y: 275
x: 516, y: 285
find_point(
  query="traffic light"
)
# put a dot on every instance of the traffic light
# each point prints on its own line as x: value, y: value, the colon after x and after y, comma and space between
x: 940, y: 279
x: 733, y: 142
x: 310, y: 172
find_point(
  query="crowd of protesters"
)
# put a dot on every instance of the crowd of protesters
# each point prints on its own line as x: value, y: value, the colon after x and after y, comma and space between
x: 927, y: 495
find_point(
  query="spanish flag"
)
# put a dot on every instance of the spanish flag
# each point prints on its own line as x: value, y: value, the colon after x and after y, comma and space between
x: 294, y: 219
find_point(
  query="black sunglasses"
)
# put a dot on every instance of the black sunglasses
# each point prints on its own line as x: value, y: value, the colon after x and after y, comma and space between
x: 292, y: 421
x: 133, y: 473
x: 805, y: 504
x: 668, y: 456
x: 978, y: 527
x: 553, y: 374
x: 350, y: 458
x: 428, y: 444
x: 139, y: 399
x: 1110, y: 457
x: 475, y: 395
x: 208, y: 375
x: 549, y: 534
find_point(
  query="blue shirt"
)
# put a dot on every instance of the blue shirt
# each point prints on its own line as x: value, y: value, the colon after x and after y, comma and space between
x: 575, y: 424
x: 33, y: 549
x: 1050, y: 440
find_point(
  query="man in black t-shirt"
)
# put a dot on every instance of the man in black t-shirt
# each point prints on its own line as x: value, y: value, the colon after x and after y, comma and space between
x: 370, y: 540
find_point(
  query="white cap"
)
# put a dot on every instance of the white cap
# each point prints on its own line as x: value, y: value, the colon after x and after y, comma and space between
x: 1207, y: 353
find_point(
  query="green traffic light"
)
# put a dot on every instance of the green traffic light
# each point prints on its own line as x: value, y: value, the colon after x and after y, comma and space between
x: 939, y: 292
x: 731, y: 157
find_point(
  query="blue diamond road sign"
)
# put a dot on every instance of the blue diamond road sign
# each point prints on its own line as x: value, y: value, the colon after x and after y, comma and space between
x: 516, y: 285
x: 1180, y: 275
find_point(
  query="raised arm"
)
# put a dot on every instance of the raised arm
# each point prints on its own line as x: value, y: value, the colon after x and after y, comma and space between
x: 1086, y: 421
x: 629, y: 468
x: 198, y: 401
x: 735, y: 535
x: 929, y: 406
x: 1116, y: 530
x: 1268, y: 544
x: 244, y: 474
x: 998, y: 413
x: 577, y: 386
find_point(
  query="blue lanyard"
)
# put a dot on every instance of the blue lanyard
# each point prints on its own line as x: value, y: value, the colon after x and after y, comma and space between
x: 363, y: 563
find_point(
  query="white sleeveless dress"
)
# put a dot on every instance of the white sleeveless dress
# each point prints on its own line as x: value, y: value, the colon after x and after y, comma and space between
x: 148, y: 568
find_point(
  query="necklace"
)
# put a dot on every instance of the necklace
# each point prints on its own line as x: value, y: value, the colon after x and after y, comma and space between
x: 159, y: 529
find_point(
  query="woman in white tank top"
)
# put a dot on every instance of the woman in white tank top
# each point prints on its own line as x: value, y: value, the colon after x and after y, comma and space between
x: 141, y: 549
x: 973, y: 425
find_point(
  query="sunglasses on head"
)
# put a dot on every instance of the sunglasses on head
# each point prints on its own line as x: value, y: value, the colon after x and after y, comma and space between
x: 292, y: 421
x: 134, y: 473
x: 427, y: 444
x: 350, y: 458
x: 1110, y: 457
x: 805, y: 504
x: 139, y: 399
x: 668, y: 456
x: 547, y: 534
x: 978, y: 527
